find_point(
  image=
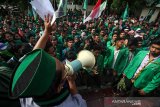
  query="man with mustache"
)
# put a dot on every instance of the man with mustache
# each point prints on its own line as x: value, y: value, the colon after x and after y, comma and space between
x: 142, y: 75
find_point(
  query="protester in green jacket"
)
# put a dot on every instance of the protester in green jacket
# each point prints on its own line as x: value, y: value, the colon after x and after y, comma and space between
x: 129, y: 53
x: 112, y: 61
x: 142, y: 76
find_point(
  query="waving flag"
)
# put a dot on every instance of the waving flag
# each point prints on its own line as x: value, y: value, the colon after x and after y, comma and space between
x: 85, y: 5
x: 97, y: 10
x: 62, y: 9
x: 43, y: 7
x: 34, y: 13
x: 126, y: 13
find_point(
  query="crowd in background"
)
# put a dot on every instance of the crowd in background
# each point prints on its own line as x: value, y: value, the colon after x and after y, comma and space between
x: 19, y: 33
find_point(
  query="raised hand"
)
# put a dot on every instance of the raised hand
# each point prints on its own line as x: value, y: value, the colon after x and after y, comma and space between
x: 47, y: 24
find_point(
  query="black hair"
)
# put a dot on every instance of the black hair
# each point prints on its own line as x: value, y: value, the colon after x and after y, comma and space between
x: 119, y: 38
x: 13, y: 48
x: 29, y: 35
x: 139, y: 39
x: 132, y: 42
x: 71, y: 55
x: 156, y: 40
x: 48, y: 45
x: 69, y: 39
x: 96, y: 34
x: 97, y: 47
x: 25, y: 49
x: 3, y: 35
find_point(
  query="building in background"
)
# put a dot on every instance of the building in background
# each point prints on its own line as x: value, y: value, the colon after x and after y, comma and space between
x: 151, y: 13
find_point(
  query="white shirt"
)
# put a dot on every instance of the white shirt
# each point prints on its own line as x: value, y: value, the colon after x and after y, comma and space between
x: 116, y: 52
x: 71, y: 101
x: 131, y: 55
x: 144, y: 63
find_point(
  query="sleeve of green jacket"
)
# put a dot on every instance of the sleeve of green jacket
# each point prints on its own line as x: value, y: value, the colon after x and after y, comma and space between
x: 100, y: 62
x: 131, y: 63
x: 152, y: 84
x: 108, y: 44
x: 105, y: 61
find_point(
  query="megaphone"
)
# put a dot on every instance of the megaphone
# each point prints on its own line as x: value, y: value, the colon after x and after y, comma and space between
x: 85, y: 59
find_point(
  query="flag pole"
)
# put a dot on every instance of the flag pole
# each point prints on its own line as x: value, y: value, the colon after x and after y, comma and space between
x: 85, y: 14
x: 85, y: 7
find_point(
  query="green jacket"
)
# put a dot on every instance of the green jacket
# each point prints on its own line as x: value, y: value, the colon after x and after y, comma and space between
x: 108, y: 60
x: 109, y: 43
x: 5, y: 76
x: 61, y: 40
x: 99, y: 63
x: 153, y: 33
x: 149, y: 79
x: 98, y: 66
x: 124, y: 60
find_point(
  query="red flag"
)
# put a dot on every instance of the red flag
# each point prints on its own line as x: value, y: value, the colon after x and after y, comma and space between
x: 96, y: 8
x: 97, y: 4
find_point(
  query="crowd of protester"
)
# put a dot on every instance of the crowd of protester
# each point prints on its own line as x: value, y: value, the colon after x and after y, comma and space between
x: 114, y: 41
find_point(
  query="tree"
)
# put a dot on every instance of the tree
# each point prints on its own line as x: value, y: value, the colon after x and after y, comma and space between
x: 118, y: 6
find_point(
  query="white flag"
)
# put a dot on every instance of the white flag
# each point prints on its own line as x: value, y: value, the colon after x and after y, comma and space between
x: 43, y: 7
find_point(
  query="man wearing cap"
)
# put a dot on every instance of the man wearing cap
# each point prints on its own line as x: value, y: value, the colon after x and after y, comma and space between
x: 46, y: 83
x: 137, y: 33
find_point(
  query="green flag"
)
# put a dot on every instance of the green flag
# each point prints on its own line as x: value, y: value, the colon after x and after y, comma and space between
x: 34, y: 13
x: 85, y: 5
x: 62, y: 9
x: 29, y: 12
x: 126, y: 13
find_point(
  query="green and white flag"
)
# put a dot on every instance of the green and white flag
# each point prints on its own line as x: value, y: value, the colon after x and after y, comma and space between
x: 125, y: 15
x: 29, y: 12
x: 85, y: 5
x: 62, y: 9
x: 34, y: 13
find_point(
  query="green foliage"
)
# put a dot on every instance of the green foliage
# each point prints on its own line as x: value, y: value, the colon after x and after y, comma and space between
x: 118, y: 6
x: 121, y: 85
